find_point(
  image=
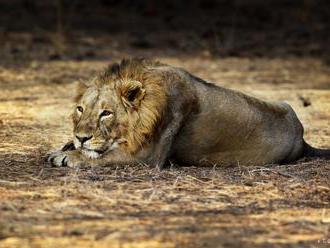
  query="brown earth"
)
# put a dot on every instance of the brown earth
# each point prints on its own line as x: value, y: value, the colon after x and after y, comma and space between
x: 136, y: 206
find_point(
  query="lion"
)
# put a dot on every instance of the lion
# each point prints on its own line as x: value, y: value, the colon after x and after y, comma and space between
x: 144, y: 111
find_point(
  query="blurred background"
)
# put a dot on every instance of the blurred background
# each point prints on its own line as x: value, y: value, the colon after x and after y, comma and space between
x: 104, y: 29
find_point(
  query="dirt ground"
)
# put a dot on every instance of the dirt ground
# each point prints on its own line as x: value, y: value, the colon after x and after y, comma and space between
x: 137, y: 206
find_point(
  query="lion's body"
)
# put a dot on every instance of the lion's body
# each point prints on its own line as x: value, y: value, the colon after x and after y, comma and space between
x: 162, y: 112
x: 232, y: 128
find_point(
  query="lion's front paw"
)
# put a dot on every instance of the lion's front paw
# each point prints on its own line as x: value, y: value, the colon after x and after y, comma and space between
x: 61, y: 159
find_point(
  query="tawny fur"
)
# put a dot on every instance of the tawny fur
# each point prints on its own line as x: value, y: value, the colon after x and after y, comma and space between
x: 162, y: 112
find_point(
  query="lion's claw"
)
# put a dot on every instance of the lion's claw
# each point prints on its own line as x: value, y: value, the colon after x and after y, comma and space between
x: 64, y: 161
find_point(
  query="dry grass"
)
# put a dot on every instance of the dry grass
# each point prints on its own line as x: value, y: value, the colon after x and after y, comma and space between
x: 125, y: 206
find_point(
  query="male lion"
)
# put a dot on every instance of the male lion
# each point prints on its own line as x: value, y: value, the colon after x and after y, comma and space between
x: 145, y: 111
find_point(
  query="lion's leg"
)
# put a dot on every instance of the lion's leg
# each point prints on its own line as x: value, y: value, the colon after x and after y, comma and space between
x: 179, y: 108
x: 70, y: 157
x: 162, y: 149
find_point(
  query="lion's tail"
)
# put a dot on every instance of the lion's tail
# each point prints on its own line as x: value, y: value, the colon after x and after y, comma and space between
x: 310, y: 151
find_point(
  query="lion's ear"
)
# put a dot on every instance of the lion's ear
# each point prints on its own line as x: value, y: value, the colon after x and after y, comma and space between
x: 80, y: 89
x: 82, y: 86
x: 132, y: 93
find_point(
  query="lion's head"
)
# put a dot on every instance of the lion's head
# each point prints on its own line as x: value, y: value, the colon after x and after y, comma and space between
x: 119, y: 108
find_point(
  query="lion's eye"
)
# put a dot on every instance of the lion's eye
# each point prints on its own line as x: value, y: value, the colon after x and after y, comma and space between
x: 106, y: 113
x: 80, y: 109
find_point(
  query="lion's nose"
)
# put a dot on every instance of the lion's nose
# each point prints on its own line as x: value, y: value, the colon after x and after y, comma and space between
x: 83, y: 139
